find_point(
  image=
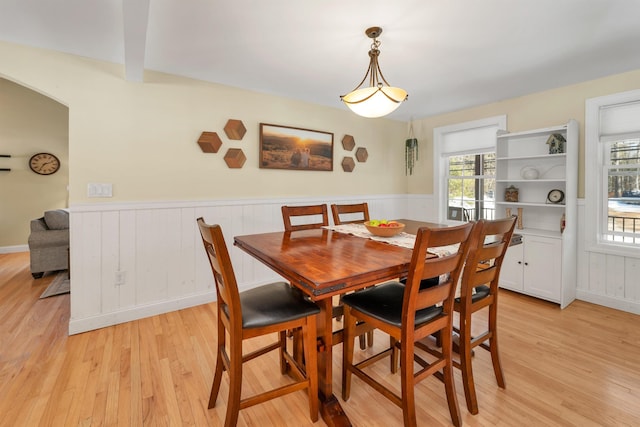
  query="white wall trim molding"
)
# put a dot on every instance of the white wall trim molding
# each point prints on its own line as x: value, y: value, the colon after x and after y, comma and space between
x: 622, y: 304
x: 13, y: 249
x: 139, y: 312
x: 136, y: 259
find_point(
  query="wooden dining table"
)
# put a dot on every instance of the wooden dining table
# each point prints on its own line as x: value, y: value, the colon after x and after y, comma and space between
x: 323, y: 263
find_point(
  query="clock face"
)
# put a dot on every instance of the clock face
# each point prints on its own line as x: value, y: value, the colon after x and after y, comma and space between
x: 555, y: 196
x: 44, y: 163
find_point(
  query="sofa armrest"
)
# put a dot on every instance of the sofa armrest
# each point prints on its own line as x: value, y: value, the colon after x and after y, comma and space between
x: 38, y: 225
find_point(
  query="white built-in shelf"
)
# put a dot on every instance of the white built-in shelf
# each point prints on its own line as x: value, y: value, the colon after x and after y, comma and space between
x: 523, y: 204
x: 538, y: 232
x: 531, y: 180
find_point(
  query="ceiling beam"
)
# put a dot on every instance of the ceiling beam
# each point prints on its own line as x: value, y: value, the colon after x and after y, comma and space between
x: 136, y: 19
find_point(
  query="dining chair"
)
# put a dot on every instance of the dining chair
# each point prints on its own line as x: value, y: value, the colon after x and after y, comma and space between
x: 479, y: 290
x: 408, y: 314
x: 308, y: 213
x: 267, y: 309
x: 350, y: 213
x: 355, y: 213
x: 312, y: 212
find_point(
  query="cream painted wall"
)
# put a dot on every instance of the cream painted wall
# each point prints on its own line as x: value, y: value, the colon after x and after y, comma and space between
x: 142, y: 137
x: 29, y: 123
x: 539, y: 110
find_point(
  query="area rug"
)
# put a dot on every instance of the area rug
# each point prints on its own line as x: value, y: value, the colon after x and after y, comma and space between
x: 60, y: 285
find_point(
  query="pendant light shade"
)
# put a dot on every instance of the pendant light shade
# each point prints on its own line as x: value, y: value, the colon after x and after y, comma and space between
x: 379, y: 98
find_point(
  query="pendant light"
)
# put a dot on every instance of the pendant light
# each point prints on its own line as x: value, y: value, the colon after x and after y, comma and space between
x: 379, y: 98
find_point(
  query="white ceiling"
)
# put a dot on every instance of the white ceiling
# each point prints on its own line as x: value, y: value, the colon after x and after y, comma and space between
x: 448, y: 54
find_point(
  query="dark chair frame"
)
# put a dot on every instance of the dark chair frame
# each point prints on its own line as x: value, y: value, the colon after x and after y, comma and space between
x: 434, y: 308
x: 479, y: 290
x: 289, y: 212
x: 299, y: 314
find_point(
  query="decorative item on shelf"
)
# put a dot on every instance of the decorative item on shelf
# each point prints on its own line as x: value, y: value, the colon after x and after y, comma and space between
x: 529, y: 172
x: 348, y: 164
x: 44, y: 163
x: 410, y: 151
x: 348, y: 142
x: 511, y: 194
x: 379, y: 98
x: 555, y: 196
x: 507, y: 213
x: 235, y: 129
x: 520, y: 226
x: 556, y: 143
x: 563, y: 223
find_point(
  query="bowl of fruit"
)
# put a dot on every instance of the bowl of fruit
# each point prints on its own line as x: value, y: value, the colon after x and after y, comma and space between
x: 384, y: 228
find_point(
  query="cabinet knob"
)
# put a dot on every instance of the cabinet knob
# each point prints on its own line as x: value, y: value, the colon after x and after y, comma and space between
x: 526, y: 263
x: 519, y: 262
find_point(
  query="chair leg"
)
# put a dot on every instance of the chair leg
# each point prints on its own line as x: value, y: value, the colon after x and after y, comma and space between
x: 217, y: 377
x: 370, y: 338
x: 235, y: 383
x: 466, y: 367
x: 347, y: 352
x: 394, y: 354
x: 493, y: 345
x: 407, y: 385
x: 447, y: 373
x: 362, y: 339
x: 311, y: 365
x: 283, y: 348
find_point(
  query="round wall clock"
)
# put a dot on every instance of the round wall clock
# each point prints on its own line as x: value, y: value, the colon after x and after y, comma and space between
x: 555, y: 196
x: 44, y: 163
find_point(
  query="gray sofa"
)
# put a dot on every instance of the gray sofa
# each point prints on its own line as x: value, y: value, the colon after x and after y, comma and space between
x: 49, y: 242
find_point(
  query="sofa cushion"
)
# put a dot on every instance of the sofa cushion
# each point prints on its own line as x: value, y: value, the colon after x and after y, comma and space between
x: 57, y: 219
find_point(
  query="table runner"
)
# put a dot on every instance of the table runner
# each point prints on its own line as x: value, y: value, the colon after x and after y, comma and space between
x: 402, y: 239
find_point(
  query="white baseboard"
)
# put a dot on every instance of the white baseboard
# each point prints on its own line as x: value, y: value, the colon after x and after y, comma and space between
x: 13, y: 249
x: 139, y: 312
x: 608, y: 301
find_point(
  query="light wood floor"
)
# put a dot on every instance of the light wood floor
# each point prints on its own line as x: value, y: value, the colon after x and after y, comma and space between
x: 576, y: 367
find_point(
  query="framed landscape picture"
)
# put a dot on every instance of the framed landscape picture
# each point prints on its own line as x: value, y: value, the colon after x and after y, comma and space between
x: 285, y: 147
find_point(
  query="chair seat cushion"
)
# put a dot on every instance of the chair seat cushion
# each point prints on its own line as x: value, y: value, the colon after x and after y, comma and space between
x: 384, y: 302
x: 480, y: 293
x: 274, y: 303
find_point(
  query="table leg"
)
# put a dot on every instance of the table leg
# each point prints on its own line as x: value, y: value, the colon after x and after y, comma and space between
x: 330, y: 409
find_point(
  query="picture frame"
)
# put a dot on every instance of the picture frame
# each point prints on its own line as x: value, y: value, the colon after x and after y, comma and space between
x: 293, y: 148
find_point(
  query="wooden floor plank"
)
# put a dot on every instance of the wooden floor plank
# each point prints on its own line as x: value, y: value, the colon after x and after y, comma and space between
x: 572, y: 367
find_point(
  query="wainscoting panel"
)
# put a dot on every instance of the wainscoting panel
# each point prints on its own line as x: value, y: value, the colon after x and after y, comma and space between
x: 133, y: 260
x: 605, y: 279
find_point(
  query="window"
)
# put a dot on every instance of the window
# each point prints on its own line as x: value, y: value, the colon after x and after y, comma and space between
x: 612, y: 148
x: 471, y: 185
x: 622, y: 171
x: 464, y: 169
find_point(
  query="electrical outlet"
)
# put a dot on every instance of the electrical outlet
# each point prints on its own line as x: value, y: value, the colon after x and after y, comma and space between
x: 120, y: 278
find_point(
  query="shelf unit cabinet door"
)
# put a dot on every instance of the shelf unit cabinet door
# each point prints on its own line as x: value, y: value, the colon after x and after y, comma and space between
x: 543, y: 267
x: 511, y: 273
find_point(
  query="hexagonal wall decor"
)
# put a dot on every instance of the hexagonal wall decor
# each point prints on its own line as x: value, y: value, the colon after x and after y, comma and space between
x: 209, y: 142
x: 348, y: 164
x: 348, y: 142
x: 235, y: 129
x: 234, y: 158
x: 362, y: 154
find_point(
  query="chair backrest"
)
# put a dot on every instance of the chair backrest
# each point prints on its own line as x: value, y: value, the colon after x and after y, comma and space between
x: 453, y: 244
x: 289, y: 212
x: 356, y: 208
x: 488, y: 245
x: 224, y: 277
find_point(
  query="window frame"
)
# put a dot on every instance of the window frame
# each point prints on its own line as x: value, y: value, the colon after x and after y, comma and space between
x: 440, y: 162
x: 596, y: 202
